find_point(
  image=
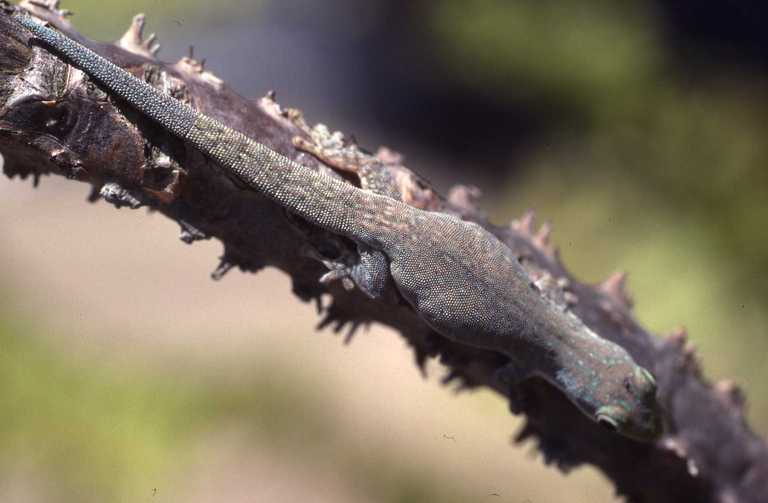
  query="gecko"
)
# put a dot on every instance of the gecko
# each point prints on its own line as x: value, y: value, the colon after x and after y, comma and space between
x: 459, y: 278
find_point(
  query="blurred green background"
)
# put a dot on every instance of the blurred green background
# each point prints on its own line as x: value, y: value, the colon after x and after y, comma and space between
x: 635, y: 127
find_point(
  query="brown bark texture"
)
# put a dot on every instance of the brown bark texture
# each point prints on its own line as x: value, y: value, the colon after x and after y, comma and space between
x: 56, y: 121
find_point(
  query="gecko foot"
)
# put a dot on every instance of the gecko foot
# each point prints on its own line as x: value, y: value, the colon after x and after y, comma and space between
x: 369, y: 273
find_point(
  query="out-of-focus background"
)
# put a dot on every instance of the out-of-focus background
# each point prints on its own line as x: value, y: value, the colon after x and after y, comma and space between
x: 637, y: 128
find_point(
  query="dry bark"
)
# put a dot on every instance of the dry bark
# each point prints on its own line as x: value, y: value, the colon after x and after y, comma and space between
x: 55, y: 121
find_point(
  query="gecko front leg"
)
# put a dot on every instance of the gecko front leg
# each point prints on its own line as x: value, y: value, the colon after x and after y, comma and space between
x: 369, y: 271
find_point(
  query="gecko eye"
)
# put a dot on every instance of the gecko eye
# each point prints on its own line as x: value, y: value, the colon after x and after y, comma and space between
x: 627, y: 385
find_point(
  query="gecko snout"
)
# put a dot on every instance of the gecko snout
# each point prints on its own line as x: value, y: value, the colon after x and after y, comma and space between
x: 632, y: 409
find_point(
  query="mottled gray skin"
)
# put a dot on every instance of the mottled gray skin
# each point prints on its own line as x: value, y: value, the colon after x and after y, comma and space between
x: 458, y: 277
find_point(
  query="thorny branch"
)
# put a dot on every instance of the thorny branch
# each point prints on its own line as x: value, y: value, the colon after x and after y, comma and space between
x: 54, y: 120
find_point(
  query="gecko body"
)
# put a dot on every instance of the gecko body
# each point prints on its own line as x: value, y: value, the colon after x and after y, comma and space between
x: 458, y: 277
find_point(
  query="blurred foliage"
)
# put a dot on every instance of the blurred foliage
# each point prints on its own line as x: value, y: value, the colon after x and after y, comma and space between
x: 589, y: 57
x: 105, y: 433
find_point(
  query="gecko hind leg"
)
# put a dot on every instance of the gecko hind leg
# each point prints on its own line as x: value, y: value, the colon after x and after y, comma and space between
x: 369, y: 273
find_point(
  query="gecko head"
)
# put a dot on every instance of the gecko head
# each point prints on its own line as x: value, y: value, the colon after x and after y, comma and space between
x: 630, y: 407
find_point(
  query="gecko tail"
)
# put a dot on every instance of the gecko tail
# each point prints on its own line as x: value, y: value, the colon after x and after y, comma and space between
x: 169, y: 112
